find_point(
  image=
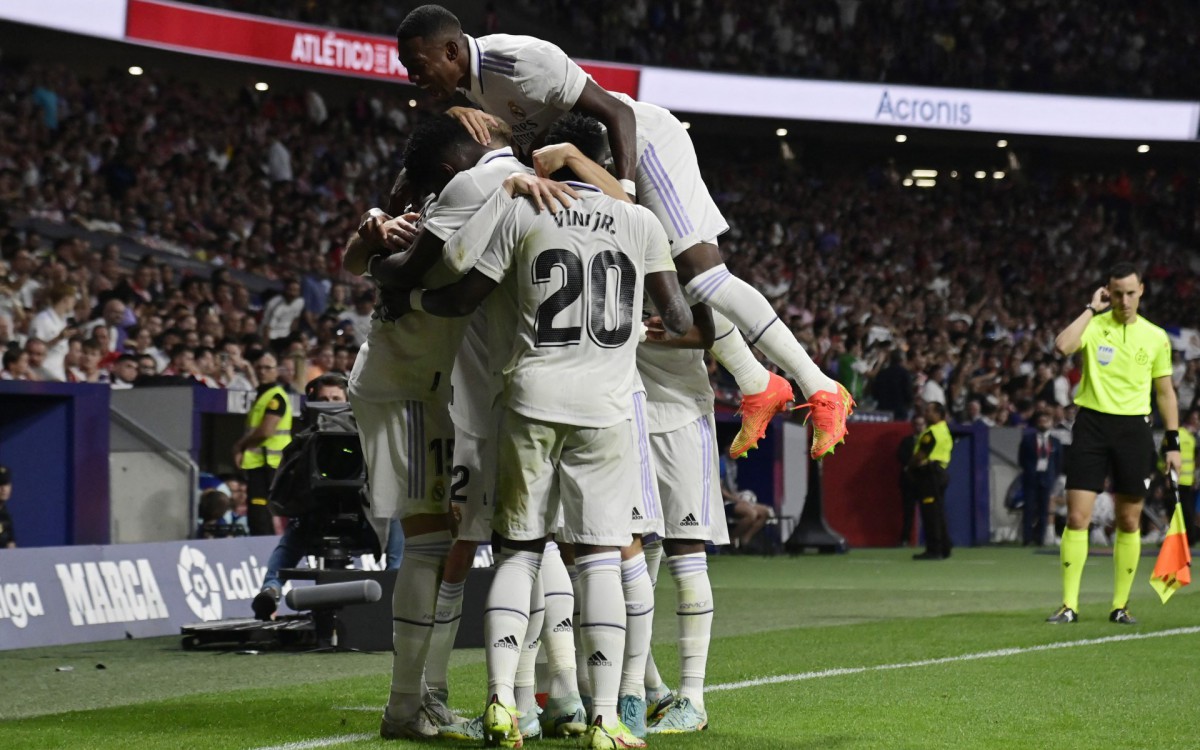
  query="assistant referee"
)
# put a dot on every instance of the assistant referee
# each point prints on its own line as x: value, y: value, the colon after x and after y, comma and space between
x: 1123, y: 354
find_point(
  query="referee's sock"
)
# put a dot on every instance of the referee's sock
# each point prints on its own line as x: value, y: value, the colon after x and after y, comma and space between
x: 1127, y: 550
x: 1073, y: 555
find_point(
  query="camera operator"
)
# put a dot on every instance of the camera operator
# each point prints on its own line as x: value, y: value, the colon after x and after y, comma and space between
x: 328, y: 388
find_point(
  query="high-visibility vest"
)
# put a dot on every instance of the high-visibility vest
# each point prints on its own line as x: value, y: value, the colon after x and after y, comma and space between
x: 269, y: 453
x: 943, y: 444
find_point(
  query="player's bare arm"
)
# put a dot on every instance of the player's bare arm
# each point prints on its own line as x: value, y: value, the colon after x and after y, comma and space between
x: 549, y: 159
x: 618, y: 117
x: 663, y: 288
x: 699, y: 336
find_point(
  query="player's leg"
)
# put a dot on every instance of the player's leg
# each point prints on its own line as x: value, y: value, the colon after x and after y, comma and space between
x: 670, y: 185
x: 564, y: 714
x: 527, y: 454
x: 599, y: 465
x: 659, y: 696
x: 635, y: 578
x: 471, y: 487
x: 396, y: 438
x: 691, y: 493
x: 525, y: 686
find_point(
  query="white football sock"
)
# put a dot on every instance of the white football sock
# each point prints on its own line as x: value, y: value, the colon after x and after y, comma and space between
x: 749, y: 311
x: 558, y: 632
x: 414, y: 602
x: 525, y: 685
x: 506, y: 618
x: 639, y: 624
x: 734, y: 354
x: 602, y: 624
x: 581, y: 670
x: 654, y: 555
x: 445, y: 630
x: 695, y: 610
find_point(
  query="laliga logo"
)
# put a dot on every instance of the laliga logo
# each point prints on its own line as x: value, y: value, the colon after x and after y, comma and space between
x: 199, y: 583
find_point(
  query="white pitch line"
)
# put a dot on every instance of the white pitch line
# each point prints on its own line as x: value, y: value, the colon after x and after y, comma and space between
x: 340, y: 739
x: 802, y: 676
x: 840, y: 671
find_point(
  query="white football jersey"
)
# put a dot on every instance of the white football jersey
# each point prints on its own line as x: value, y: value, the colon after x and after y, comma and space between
x: 530, y: 83
x: 412, y: 358
x: 579, y: 282
x: 678, y: 391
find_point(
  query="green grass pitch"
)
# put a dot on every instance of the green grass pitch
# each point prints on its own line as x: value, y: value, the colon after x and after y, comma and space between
x: 868, y: 648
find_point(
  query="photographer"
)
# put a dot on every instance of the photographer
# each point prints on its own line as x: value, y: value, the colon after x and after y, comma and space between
x: 293, y: 544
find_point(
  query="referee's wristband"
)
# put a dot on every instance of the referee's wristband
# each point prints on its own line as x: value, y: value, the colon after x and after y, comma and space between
x: 629, y: 187
x: 1170, y: 441
x: 414, y: 300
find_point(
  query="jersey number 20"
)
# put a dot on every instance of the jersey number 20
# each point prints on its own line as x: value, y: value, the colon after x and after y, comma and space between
x: 599, y: 284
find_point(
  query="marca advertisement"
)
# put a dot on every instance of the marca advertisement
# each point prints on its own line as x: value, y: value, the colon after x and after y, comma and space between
x: 57, y: 595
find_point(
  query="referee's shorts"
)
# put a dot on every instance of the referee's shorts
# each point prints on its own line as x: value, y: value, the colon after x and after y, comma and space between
x: 1114, y: 445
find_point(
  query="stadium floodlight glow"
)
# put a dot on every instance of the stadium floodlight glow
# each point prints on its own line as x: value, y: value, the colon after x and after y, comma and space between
x: 954, y: 173
x: 926, y: 183
x: 412, y: 102
x: 1144, y: 148
x: 980, y: 175
x: 901, y: 138
x: 135, y: 70
x: 1001, y: 143
x: 924, y: 173
x: 908, y: 182
x: 261, y: 86
x: 997, y: 175
x: 686, y: 125
x: 781, y: 132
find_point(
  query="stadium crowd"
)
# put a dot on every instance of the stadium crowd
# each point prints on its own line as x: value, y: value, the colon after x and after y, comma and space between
x: 1079, y: 46
x: 899, y: 296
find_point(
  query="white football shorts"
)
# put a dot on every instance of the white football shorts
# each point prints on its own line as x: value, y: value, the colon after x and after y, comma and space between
x: 689, y: 482
x: 408, y: 446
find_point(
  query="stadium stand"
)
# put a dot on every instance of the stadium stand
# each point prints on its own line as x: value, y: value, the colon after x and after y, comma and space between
x: 242, y: 190
x: 1079, y: 47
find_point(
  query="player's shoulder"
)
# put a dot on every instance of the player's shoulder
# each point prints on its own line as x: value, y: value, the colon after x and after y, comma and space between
x: 509, y: 49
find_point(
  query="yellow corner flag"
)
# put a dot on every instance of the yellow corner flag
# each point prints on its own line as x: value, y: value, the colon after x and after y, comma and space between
x: 1173, y: 569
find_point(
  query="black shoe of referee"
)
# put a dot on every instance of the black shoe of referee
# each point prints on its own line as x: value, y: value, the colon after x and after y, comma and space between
x: 1121, y: 616
x: 1065, y: 615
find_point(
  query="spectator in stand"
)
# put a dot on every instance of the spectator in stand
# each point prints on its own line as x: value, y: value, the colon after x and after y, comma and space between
x: 182, y: 362
x: 16, y: 364
x: 893, y: 387
x: 55, y: 326
x: 282, y: 313
x: 89, y: 370
x: 113, y: 319
x: 124, y: 372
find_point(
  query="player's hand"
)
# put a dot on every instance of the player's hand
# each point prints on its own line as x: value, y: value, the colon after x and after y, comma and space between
x: 549, y: 159
x: 655, y: 330
x: 1100, y: 299
x: 370, y: 227
x: 547, y: 195
x: 476, y: 121
x: 399, y: 233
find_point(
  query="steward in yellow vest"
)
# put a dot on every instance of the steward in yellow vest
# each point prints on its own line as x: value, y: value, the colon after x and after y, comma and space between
x: 257, y: 453
x: 931, y: 456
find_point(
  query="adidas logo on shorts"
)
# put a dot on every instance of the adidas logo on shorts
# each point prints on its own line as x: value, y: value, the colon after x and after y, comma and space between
x: 689, y: 520
x: 564, y: 626
x: 598, y: 659
x: 637, y: 516
x: 508, y: 641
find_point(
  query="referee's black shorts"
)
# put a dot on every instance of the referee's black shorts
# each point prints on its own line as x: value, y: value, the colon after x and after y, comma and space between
x: 1114, y: 445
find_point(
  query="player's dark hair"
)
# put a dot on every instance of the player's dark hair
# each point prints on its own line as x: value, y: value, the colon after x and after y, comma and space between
x: 585, y: 133
x: 428, y: 22
x: 432, y: 142
x: 1123, y: 269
